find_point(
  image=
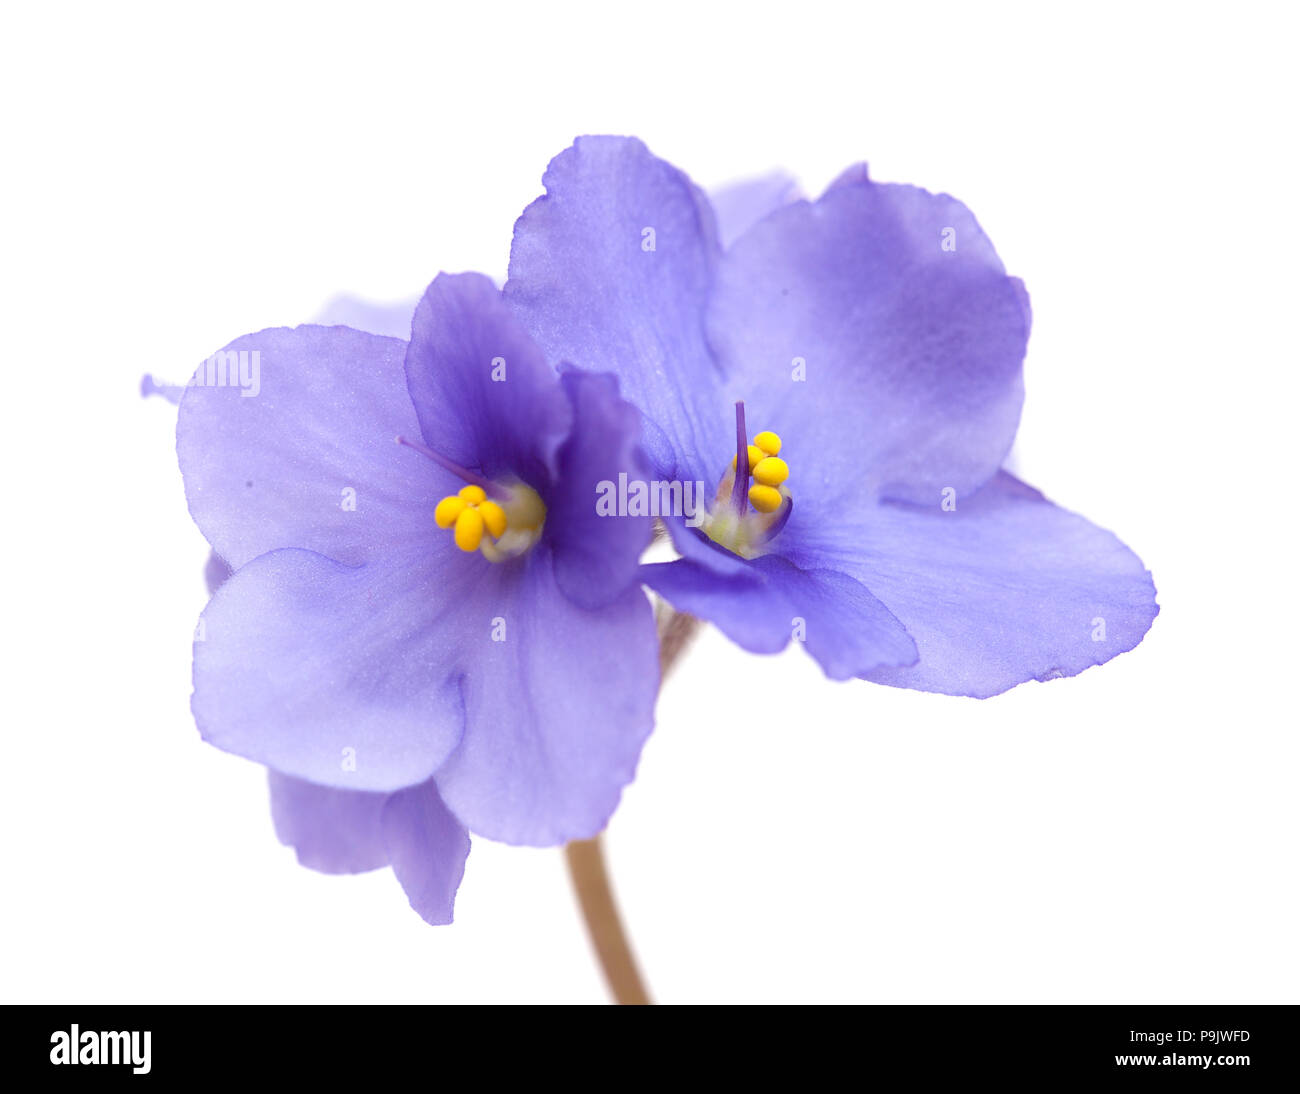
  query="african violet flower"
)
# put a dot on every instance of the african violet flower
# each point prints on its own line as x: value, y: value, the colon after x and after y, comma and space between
x: 412, y: 645
x: 874, y: 340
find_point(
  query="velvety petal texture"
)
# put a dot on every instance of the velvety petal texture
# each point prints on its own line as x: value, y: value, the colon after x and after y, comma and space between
x: 1006, y: 588
x: 215, y: 572
x: 483, y: 391
x: 342, y: 675
x: 333, y: 831
x: 302, y: 455
x: 595, y: 553
x: 375, y: 661
x: 348, y: 831
x: 852, y: 314
x: 608, y: 272
x: 558, y: 702
x: 843, y: 626
x: 344, y: 685
x: 427, y: 847
x: 738, y: 206
x: 393, y: 320
x: 877, y: 332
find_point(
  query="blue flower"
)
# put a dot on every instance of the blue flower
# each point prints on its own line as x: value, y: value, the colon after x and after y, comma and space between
x: 873, y: 339
x: 423, y: 638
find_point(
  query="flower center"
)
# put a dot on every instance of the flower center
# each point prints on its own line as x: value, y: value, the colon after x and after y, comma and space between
x: 747, y: 515
x: 501, y: 520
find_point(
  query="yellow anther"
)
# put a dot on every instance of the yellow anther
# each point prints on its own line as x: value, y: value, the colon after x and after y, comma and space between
x: 768, y: 442
x: 755, y: 454
x: 469, y: 529
x: 771, y: 471
x: 500, y: 529
x: 766, y: 499
x: 494, y: 518
x: 448, y: 510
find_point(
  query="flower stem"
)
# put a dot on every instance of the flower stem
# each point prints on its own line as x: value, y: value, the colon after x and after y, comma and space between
x: 604, y: 926
x: 586, y: 858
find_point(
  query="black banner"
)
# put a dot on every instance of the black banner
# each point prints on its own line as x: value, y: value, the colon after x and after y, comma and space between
x: 1138, y: 1045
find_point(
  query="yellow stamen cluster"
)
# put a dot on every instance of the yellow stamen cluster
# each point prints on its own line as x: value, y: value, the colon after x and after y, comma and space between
x: 768, y: 470
x: 471, y: 512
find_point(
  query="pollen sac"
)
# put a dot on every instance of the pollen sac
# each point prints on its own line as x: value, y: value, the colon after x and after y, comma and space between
x: 470, y: 513
x: 755, y: 457
x: 766, y: 499
x: 494, y: 518
x: 747, y: 532
x: 499, y: 530
x: 771, y: 471
x: 768, y: 470
x: 447, y: 511
x: 469, y: 529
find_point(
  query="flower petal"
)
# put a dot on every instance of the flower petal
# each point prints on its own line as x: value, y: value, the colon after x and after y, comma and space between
x: 308, y: 460
x: 740, y: 604
x: 393, y: 320
x: 855, y: 174
x: 556, y: 713
x: 427, y: 847
x: 350, y: 831
x: 1006, y: 588
x: 596, y: 557
x: 694, y: 545
x: 483, y: 391
x: 738, y: 206
x: 849, y: 321
x: 609, y: 272
x: 215, y: 572
x: 333, y: 831
x: 344, y: 676
x: 846, y: 629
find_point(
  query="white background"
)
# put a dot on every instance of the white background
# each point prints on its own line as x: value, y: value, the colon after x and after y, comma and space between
x: 174, y: 178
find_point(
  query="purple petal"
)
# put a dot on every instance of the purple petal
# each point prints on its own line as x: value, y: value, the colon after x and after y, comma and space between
x: 215, y: 572
x: 698, y: 548
x: 846, y: 629
x: 855, y: 174
x: 483, y: 391
x: 343, y: 676
x: 740, y: 604
x: 333, y: 831
x: 393, y: 320
x: 427, y: 847
x: 738, y: 206
x: 556, y: 713
x: 308, y: 460
x: 350, y: 831
x: 1006, y: 588
x: 596, y: 557
x: 911, y: 353
x: 609, y: 272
